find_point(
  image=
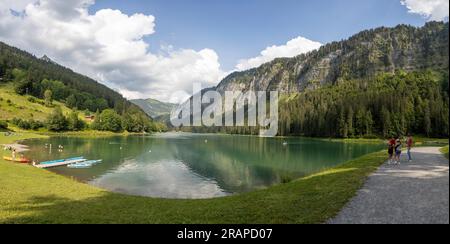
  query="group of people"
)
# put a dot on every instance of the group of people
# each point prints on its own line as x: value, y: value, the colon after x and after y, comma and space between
x: 395, y: 147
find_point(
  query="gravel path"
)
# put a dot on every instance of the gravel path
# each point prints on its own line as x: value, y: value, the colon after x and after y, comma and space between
x: 410, y: 193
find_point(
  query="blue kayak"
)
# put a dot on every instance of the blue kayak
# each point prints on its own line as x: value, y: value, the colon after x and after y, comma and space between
x: 79, y: 166
x: 84, y: 165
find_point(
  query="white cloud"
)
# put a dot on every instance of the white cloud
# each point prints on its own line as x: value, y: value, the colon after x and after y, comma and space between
x: 292, y: 48
x: 431, y: 9
x: 107, y: 45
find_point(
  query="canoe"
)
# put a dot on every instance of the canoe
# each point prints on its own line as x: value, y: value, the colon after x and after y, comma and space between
x: 17, y: 160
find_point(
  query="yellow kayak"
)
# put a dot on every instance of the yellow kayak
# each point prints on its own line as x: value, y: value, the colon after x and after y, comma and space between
x: 17, y: 160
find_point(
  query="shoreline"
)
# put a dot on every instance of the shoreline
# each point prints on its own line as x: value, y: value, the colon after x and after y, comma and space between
x: 419, y: 140
x: 311, y: 199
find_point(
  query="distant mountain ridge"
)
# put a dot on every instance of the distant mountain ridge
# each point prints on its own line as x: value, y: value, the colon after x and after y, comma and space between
x: 153, y: 107
x: 380, y: 82
x: 363, y: 55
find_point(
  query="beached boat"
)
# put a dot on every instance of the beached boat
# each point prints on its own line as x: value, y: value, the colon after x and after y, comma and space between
x: 17, y: 160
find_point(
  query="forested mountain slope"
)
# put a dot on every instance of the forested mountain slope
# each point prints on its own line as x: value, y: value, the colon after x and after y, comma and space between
x: 33, y: 76
x: 40, y: 81
x: 380, y: 82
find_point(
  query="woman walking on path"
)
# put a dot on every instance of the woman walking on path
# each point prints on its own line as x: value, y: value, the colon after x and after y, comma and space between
x: 391, y: 146
x: 409, y: 144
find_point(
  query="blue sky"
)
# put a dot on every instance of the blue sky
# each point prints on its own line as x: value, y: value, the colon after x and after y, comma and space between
x: 238, y: 29
x: 159, y: 48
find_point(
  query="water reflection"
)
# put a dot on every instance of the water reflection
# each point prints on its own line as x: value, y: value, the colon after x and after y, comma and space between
x: 180, y: 165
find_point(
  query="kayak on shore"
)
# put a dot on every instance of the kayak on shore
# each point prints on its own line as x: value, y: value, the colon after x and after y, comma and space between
x: 17, y: 160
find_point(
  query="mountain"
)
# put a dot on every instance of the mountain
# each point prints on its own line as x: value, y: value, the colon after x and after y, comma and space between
x: 153, y: 107
x: 379, y: 82
x: 364, y: 55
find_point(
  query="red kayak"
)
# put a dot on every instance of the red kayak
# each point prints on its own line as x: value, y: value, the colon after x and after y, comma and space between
x: 17, y: 160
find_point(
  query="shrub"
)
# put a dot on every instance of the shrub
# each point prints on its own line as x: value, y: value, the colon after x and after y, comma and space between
x: 3, y: 125
x: 74, y: 123
x: 32, y: 99
x: 108, y: 120
x: 56, y: 121
x: 27, y: 124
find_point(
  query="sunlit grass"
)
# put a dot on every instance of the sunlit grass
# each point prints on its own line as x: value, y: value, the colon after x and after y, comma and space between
x: 444, y: 151
x: 13, y: 105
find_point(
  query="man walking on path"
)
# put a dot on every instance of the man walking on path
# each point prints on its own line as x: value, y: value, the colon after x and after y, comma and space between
x: 409, y: 144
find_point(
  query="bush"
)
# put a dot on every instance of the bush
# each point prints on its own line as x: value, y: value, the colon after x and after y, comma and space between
x: 75, y: 124
x: 35, y: 125
x: 3, y: 125
x: 23, y: 87
x: 56, y: 121
x: 32, y: 99
x: 108, y: 120
x: 27, y: 124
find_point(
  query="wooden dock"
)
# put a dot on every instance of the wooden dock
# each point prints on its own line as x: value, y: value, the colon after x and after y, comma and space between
x: 57, y: 164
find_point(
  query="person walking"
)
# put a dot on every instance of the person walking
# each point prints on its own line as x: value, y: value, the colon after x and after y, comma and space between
x: 409, y: 144
x: 398, y: 151
x: 391, y: 147
x: 13, y: 156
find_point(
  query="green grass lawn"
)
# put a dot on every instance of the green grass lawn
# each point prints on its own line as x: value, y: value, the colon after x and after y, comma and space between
x: 418, y: 141
x: 444, y: 151
x: 31, y: 195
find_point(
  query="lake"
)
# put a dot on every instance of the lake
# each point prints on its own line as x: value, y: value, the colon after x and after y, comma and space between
x: 183, y: 165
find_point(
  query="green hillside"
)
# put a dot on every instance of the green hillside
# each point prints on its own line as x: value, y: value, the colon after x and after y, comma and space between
x: 153, y: 107
x: 13, y: 105
x: 31, y: 89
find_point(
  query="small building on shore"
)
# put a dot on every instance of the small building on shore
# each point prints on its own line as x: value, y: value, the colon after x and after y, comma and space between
x: 90, y: 118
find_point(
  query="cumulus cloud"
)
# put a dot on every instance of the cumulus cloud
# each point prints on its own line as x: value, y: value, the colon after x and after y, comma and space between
x: 108, y: 46
x: 292, y: 48
x: 430, y: 9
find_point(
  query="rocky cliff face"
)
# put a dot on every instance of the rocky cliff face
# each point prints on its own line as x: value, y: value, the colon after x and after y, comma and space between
x: 363, y: 55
